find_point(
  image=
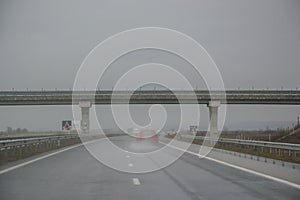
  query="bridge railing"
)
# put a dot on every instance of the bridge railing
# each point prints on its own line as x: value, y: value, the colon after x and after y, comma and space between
x: 70, y: 92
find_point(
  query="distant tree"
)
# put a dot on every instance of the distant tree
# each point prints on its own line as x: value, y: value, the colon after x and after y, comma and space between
x: 225, y: 129
x: 24, y: 130
x: 267, y: 128
x: 9, y: 129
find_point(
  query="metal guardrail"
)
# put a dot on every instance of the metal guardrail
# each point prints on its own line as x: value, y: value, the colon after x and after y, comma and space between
x: 14, y: 149
x: 11, y: 143
x: 273, y: 145
x: 29, y: 141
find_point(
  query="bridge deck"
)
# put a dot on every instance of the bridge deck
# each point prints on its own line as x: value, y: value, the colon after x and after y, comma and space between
x: 283, y: 97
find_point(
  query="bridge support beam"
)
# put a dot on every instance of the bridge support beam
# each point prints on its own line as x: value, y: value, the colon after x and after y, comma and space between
x: 213, y: 118
x: 85, y: 116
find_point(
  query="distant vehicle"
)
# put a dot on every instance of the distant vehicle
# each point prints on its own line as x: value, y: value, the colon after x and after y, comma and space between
x: 135, y: 132
x: 148, y: 135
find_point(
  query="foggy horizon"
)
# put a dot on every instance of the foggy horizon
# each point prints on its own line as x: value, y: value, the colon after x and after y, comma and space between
x: 254, y: 44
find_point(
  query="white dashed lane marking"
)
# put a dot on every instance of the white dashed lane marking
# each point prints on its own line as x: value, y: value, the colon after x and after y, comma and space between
x: 136, y: 181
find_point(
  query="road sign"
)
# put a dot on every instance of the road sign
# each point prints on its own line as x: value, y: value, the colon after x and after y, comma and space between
x: 66, y: 125
x: 193, y: 128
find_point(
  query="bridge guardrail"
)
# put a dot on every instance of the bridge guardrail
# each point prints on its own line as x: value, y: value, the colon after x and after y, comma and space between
x: 70, y: 92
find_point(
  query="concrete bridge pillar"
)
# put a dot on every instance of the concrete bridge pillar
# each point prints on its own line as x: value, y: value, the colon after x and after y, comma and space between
x: 213, y: 117
x: 85, y: 116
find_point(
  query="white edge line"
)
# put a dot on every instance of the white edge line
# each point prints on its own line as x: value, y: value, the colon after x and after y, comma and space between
x: 238, y: 167
x: 43, y: 157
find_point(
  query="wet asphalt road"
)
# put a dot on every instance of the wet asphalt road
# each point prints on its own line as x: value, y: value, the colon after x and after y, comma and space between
x: 75, y: 174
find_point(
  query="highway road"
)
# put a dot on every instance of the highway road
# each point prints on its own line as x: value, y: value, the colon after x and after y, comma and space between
x: 76, y: 174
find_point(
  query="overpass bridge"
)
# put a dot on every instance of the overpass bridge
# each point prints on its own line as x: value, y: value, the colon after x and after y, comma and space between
x: 213, y: 99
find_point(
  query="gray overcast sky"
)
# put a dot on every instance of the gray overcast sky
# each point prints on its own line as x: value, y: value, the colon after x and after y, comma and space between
x: 254, y: 43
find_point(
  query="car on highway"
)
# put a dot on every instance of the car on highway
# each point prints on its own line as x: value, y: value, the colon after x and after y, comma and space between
x: 147, y: 135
